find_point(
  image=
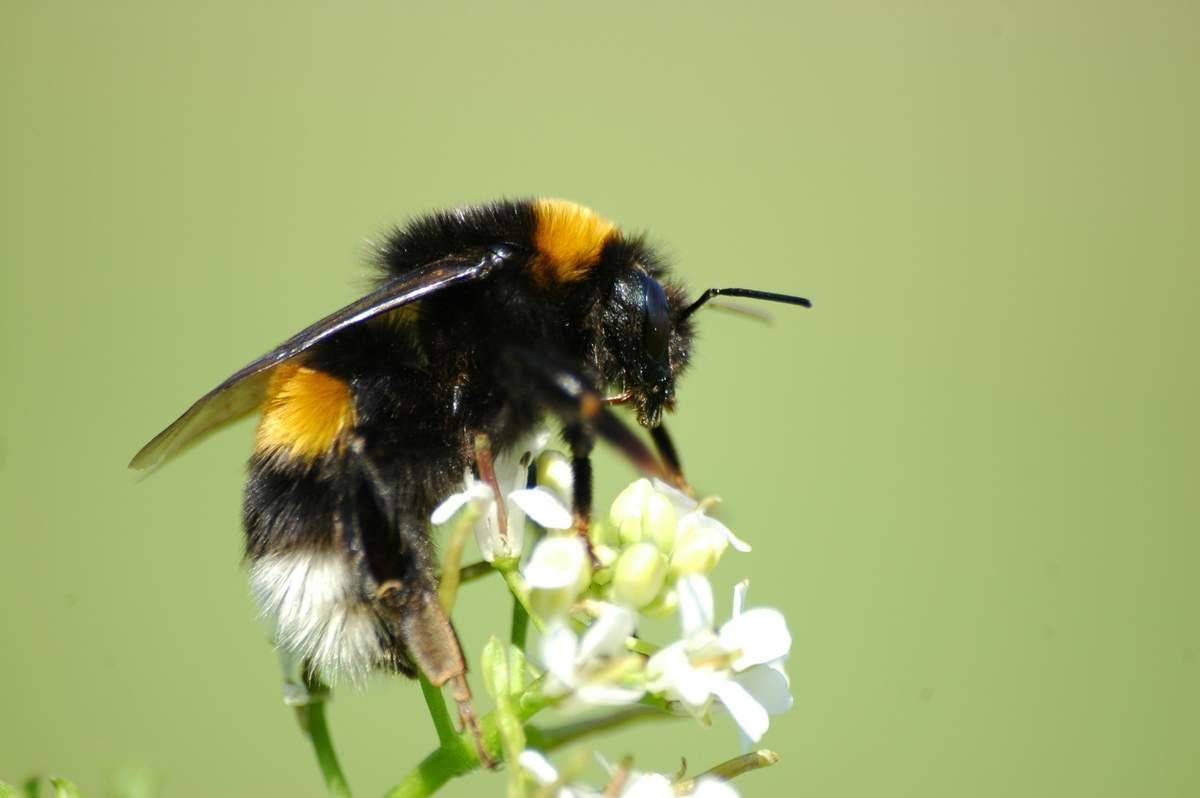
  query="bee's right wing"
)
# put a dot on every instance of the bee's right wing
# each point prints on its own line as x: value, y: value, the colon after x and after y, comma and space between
x: 246, y: 389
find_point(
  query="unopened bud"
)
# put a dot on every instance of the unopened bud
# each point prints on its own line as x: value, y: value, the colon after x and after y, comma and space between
x: 659, y: 522
x: 606, y: 557
x: 626, y: 510
x: 698, y: 548
x: 663, y: 606
x: 639, y: 575
x: 557, y: 572
x: 553, y: 470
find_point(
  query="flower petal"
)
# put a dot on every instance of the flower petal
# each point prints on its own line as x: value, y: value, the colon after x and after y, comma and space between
x: 734, y: 541
x: 695, y: 605
x: 560, y: 649
x: 597, y: 694
x: 759, y: 635
x: 683, y: 503
x: 543, y: 507
x: 607, y: 634
x: 538, y: 766
x: 709, y: 787
x: 455, y: 502
x: 746, y: 712
x: 556, y: 562
x: 671, y: 674
x: 769, y: 686
x: 649, y: 785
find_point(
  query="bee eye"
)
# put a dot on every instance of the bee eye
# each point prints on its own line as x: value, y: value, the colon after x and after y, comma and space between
x: 656, y: 319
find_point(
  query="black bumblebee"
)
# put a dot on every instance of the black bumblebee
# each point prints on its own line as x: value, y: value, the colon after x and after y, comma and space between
x: 484, y: 321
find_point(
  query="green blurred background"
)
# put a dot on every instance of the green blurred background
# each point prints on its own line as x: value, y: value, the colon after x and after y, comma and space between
x: 969, y: 472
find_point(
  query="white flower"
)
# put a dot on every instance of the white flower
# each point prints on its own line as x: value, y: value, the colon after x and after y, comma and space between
x: 591, y: 669
x: 722, y: 664
x: 656, y: 785
x: 709, y: 787
x: 540, y: 504
x: 648, y: 785
x: 537, y: 766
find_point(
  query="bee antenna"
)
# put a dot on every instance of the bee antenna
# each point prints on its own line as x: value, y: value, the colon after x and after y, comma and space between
x: 745, y: 293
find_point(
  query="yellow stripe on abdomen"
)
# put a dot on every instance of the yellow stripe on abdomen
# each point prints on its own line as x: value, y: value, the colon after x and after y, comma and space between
x: 305, y: 414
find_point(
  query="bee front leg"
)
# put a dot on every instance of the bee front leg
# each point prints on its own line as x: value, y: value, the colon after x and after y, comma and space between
x: 581, y: 441
x: 670, y: 457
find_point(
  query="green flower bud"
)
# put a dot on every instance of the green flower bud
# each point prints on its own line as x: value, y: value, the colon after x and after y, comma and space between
x: 698, y: 548
x: 630, y: 530
x: 639, y: 575
x: 659, y: 522
x: 663, y: 606
x: 629, y: 502
x: 601, y: 533
x: 607, y: 557
x: 553, y: 470
x: 557, y: 572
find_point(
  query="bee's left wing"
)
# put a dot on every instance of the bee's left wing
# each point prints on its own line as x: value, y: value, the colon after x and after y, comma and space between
x: 245, y: 390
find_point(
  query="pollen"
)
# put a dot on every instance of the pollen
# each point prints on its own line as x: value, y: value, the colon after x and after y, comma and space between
x: 305, y: 414
x: 569, y: 239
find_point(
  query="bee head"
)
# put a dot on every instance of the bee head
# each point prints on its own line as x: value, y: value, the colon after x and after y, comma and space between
x: 645, y: 341
x: 645, y: 333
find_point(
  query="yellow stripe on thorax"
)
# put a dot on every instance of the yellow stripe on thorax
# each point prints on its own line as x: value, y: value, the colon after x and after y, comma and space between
x: 569, y: 239
x: 305, y: 413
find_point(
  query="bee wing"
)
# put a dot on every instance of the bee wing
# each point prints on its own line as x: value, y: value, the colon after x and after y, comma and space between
x: 246, y: 389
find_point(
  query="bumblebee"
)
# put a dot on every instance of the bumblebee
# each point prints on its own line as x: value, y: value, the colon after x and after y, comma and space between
x: 483, y: 322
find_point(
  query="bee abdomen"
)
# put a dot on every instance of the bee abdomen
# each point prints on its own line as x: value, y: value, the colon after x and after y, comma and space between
x: 313, y: 598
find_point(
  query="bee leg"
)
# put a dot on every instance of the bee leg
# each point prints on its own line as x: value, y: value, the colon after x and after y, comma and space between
x: 581, y: 441
x: 481, y: 450
x: 570, y: 396
x: 670, y: 457
x: 434, y: 646
x: 403, y: 584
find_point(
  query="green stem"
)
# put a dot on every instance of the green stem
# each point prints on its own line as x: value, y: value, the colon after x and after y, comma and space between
x: 460, y: 527
x: 521, y: 594
x: 431, y: 775
x: 475, y: 571
x: 312, y: 719
x: 436, y: 702
x: 558, y: 736
x: 458, y: 756
x: 520, y: 624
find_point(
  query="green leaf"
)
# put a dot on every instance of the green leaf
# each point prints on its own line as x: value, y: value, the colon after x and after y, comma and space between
x: 495, y: 667
x: 63, y: 788
x: 8, y: 791
x: 516, y: 671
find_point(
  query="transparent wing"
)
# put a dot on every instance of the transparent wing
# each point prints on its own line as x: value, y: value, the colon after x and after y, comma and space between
x: 245, y: 390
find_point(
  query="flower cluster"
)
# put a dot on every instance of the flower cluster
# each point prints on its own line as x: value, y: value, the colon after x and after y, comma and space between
x: 649, y: 557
